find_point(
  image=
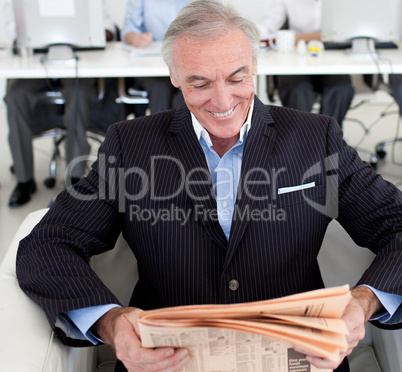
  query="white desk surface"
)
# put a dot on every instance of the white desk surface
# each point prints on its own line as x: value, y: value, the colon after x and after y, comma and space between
x: 117, y: 61
x: 331, y: 62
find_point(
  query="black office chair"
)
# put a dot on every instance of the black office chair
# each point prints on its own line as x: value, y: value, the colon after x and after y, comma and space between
x: 109, y: 108
x: 272, y: 84
x: 393, y: 83
x: 374, y: 83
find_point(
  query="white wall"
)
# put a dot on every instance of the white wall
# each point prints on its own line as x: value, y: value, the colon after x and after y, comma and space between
x: 116, y: 9
x: 253, y: 9
x: 398, y: 18
x: 250, y: 8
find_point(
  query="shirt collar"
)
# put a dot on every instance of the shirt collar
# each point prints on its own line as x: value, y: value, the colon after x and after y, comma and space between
x: 201, y: 132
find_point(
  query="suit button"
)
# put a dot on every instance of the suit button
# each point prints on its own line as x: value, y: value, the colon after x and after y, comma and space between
x: 234, y: 285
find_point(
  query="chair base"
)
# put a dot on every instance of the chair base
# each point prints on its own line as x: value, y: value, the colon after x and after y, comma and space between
x: 372, y: 158
x: 381, y: 153
x: 58, y: 136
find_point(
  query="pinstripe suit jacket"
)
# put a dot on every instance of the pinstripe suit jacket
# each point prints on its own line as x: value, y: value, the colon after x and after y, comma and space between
x: 156, y: 165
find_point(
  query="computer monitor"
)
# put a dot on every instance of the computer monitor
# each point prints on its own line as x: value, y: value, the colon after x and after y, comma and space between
x: 43, y: 23
x: 360, y: 21
x: 7, y: 24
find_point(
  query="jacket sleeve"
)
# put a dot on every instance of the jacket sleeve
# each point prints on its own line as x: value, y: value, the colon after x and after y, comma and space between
x: 53, y: 261
x: 370, y: 210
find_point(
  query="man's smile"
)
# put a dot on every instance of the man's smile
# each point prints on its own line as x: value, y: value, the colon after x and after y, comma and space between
x: 222, y: 114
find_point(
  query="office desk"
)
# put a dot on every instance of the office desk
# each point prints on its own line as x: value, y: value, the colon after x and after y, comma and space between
x: 332, y: 62
x: 117, y: 61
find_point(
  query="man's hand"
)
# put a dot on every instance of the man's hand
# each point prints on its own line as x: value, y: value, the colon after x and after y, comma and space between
x: 139, y: 40
x: 362, y: 306
x: 119, y: 328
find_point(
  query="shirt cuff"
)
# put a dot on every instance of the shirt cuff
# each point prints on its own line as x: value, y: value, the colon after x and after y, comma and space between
x: 390, y: 301
x: 76, y: 323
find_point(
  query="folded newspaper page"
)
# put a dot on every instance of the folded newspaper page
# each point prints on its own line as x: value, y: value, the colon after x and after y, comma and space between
x: 253, y: 336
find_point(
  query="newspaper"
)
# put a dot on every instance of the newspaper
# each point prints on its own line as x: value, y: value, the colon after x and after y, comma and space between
x: 254, y: 336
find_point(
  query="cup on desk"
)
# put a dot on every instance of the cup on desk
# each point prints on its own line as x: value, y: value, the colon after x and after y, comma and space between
x: 284, y: 41
x: 315, y: 47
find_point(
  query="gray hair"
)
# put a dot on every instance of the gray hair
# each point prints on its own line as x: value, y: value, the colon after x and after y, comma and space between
x: 204, y: 20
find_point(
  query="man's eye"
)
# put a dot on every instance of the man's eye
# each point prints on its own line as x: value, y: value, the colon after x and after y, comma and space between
x: 237, y: 81
x: 200, y: 86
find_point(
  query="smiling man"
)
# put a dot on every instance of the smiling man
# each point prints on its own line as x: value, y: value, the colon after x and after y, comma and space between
x: 227, y: 163
x: 218, y: 91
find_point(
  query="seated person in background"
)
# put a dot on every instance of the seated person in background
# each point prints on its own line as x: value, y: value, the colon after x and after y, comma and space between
x: 300, y: 91
x: 147, y: 21
x: 395, y: 81
x: 216, y: 157
x: 22, y: 97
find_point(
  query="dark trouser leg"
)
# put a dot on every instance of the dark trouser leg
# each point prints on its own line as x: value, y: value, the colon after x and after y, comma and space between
x: 160, y: 92
x: 344, y: 367
x: 296, y: 92
x: 120, y: 367
x: 337, y: 94
x: 22, y: 96
x: 396, y: 86
x: 79, y: 100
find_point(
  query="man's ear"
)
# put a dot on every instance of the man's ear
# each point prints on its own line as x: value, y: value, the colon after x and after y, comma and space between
x: 255, y: 69
x: 173, y: 80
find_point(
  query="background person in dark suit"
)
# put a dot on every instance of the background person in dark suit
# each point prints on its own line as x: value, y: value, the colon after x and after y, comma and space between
x: 223, y: 160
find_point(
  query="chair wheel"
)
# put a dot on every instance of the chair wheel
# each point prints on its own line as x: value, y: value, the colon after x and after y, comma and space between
x: 49, y: 183
x: 381, y: 154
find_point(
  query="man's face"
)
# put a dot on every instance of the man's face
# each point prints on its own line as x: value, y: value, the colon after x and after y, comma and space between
x: 216, y: 78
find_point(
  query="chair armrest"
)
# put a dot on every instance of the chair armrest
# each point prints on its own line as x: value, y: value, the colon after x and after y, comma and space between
x: 388, y: 346
x: 27, y: 343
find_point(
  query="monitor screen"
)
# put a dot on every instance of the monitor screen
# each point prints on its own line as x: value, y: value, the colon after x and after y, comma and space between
x: 7, y: 24
x: 349, y: 20
x: 42, y: 23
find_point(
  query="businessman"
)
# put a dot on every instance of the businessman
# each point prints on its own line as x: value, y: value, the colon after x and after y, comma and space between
x: 223, y: 200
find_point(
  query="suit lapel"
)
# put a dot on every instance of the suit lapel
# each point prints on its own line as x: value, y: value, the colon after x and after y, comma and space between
x: 187, y: 150
x: 257, y: 151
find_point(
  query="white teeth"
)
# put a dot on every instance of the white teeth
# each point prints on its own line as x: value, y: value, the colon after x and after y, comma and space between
x: 222, y: 114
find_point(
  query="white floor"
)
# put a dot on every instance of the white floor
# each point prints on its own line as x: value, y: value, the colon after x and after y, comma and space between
x: 369, y: 113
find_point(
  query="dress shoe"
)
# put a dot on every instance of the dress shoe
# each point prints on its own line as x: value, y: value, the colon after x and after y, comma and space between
x: 22, y: 193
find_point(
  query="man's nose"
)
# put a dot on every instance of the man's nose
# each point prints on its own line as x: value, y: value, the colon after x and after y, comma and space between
x: 222, y: 97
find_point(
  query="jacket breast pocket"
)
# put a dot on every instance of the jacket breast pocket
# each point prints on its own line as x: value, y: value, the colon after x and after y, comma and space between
x: 294, y: 195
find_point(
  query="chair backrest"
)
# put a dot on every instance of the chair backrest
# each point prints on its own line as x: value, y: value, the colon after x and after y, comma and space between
x: 343, y: 262
x: 121, y: 281
x: 38, y: 349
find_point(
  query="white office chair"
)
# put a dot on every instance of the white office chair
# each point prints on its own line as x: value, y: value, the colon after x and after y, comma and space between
x: 27, y: 343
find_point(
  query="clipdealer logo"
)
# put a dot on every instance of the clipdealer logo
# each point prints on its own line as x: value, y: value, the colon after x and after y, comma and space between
x: 113, y: 182
x: 183, y: 216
